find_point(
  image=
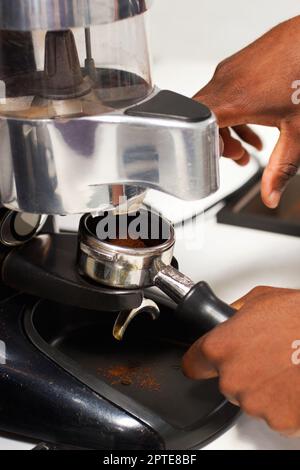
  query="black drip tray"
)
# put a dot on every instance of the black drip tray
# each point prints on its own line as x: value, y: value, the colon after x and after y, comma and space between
x: 145, y: 367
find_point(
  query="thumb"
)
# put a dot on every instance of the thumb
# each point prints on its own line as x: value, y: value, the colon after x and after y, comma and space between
x: 196, y: 366
x: 283, y: 165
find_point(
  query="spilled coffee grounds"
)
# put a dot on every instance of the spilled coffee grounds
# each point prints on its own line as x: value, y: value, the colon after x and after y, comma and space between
x: 139, y: 377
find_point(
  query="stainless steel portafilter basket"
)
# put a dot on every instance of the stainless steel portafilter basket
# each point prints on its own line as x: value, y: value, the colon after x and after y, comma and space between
x: 130, y: 264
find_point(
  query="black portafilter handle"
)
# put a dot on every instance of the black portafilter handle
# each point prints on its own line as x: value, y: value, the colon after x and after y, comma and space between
x: 203, y: 309
x: 197, y: 305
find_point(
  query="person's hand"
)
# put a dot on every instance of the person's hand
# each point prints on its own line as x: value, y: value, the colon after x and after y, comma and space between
x: 233, y: 148
x: 256, y: 86
x: 256, y: 355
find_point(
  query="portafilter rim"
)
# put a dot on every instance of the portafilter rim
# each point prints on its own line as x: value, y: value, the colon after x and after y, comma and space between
x: 102, y: 246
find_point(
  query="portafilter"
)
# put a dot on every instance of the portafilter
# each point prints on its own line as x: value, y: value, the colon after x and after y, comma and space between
x: 141, y: 260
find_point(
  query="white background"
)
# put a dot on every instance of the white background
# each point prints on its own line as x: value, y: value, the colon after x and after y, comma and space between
x: 210, y: 30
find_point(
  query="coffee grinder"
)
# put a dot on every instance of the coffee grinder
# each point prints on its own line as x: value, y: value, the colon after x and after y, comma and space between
x: 84, y: 131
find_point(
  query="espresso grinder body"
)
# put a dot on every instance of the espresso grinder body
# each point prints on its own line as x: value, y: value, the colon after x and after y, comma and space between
x: 84, y: 131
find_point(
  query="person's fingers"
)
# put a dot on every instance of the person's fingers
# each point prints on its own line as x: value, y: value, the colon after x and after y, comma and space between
x: 239, y: 304
x: 283, y: 165
x: 203, y: 358
x: 244, y: 160
x: 232, y: 147
x: 252, y: 295
x: 249, y: 136
x: 195, y: 365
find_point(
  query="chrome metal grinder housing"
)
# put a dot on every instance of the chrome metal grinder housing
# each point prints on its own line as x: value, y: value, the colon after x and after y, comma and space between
x: 17, y: 228
x: 81, y: 124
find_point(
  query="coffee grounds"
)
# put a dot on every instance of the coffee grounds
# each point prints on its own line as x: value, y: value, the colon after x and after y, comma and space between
x: 128, y: 243
x: 140, y: 377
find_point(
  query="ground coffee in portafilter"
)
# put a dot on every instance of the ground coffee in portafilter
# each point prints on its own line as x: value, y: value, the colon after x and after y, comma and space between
x: 140, y: 231
x: 128, y: 243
